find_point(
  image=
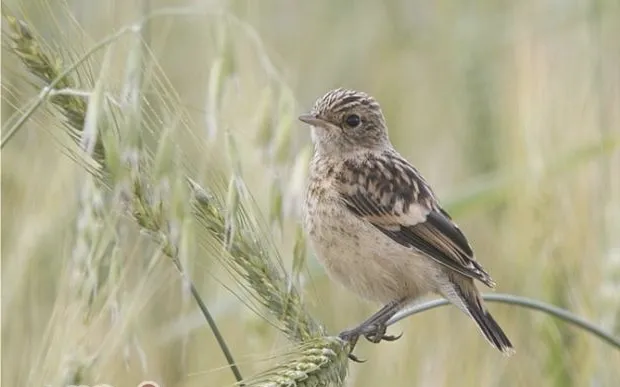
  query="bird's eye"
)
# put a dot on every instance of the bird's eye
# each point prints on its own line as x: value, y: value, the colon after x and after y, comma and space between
x: 352, y: 120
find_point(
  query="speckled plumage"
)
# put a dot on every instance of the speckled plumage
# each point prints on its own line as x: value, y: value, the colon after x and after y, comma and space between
x: 374, y: 222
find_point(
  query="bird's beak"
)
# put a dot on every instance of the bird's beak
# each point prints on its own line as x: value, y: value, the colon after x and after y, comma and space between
x: 311, y: 119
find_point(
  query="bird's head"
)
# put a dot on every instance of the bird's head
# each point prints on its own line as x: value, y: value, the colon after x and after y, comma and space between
x: 345, y: 121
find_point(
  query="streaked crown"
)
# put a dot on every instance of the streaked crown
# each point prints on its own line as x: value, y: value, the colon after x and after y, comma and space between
x: 343, y: 100
x: 346, y: 120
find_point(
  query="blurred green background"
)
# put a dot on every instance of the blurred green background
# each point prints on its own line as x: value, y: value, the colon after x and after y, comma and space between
x: 510, y: 109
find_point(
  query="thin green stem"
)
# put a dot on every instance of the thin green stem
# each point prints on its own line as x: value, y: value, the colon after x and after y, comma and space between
x: 216, y: 333
x: 211, y: 321
x: 554, y: 311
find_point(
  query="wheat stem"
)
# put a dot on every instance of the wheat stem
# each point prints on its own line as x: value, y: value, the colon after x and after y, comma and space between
x: 323, y: 359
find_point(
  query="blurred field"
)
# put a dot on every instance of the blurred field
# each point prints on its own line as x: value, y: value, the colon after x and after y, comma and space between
x: 510, y: 109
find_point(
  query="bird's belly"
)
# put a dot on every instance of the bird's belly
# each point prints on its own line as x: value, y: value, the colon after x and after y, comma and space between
x: 366, y: 261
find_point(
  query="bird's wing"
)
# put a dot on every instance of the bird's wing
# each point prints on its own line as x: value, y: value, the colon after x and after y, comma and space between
x: 390, y: 194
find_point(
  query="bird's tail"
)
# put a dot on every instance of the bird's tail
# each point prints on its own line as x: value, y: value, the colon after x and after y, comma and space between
x: 490, y: 329
x: 467, y: 298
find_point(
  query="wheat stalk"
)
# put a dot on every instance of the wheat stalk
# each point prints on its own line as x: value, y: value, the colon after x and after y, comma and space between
x: 309, y: 365
x: 49, y: 69
x: 320, y: 360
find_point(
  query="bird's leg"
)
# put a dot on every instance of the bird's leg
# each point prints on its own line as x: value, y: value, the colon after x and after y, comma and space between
x: 373, y: 329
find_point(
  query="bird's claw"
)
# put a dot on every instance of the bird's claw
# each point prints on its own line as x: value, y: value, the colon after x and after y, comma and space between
x: 355, y: 358
x: 377, y: 339
x: 351, y: 337
x: 392, y: 337
x: 377, y: 334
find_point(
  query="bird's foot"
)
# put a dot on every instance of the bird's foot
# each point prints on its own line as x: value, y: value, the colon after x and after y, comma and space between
x: 375, y: 333
x: 351, y: 337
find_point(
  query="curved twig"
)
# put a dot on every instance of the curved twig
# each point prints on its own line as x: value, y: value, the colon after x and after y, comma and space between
x: 525, y: 302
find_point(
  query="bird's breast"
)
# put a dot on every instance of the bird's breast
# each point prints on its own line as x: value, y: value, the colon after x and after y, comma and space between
x: 358, y: 255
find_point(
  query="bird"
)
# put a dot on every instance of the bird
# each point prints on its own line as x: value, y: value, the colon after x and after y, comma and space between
x: 376, y: 225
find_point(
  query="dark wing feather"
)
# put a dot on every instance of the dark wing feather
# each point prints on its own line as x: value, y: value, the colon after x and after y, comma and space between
x: 390, y: 194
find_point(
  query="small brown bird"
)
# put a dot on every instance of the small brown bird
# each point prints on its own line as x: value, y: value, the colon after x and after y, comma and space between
x: 376, y: 225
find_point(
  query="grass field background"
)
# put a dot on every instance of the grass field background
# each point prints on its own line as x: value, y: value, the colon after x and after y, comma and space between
x: 510, y: 109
